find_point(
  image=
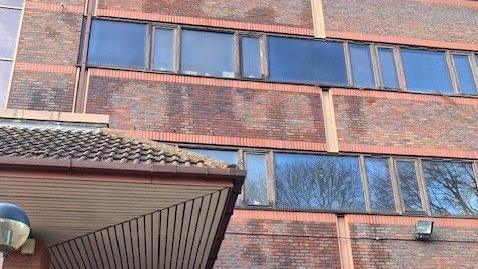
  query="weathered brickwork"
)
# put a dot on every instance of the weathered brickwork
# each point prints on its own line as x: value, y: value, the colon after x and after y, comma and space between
x: 49, y: 37
x: 255, y: 243
x: 396, y: 248
x: 42, y: 91
x: 211, y: 110
x: 407, y: 18
x: 406, y: 123
x: 273, y: 12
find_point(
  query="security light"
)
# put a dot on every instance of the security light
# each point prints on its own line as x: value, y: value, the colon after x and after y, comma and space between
x: 424, y: 230
x: 14, y: 228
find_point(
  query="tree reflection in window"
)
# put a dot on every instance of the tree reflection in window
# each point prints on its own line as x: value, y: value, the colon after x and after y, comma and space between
x: 380, y: 185
x: 318, y: 182
x: 451, y: 188
x: 256, y: 179
x: 409, y: 190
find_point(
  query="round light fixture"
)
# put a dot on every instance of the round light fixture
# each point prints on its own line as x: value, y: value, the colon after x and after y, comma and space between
x: 14, y: 227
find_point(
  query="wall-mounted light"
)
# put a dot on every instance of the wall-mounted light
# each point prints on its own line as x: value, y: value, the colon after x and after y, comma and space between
x: 424, y: 230
x: 14, y: 228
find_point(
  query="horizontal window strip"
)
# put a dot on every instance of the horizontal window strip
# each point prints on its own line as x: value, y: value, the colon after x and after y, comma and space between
x: 173, y: 78
x: 204, y: 22
x: 55, y: 7
x: 45, y: 68
x: 411, y: 151
x: 227, y: 141
x: 402, y: 40
x: 400, y: 95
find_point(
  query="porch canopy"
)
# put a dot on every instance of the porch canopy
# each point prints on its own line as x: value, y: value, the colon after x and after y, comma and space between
x: 100, y: 199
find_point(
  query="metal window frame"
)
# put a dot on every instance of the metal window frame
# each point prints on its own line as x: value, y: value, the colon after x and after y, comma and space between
x: 419, y: 184
x: 474, y: 72
x: 379, y: 74
x: 17, y: 41
x: 265, y: 68
x: 153, y: 48
x: 372, y: 61
x: 239, y: 53
x: 269, y: 180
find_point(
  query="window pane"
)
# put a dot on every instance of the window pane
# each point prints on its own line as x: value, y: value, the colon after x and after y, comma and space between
x: 388, y: 69
x: 362, y: 68
x: 409, y: 186
x: 207, y: 53
x: 318, y: 182
x: 307, y: 61
x: 451, y: 188
x: 251, y: 57
x: 256, y: 180
x: 5, y: 71
x: 426, y: 71
x: 12, y: 3
x: 380, y: 185
x: 228, y: 156
x: 9, y: 24
x: 464, y: 74
x: 117, y: 44
x: 163, y: 49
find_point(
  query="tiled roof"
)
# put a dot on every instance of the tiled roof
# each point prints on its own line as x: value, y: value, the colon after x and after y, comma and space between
x: 102, y: 145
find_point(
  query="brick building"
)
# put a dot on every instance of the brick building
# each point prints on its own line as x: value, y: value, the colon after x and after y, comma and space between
x: 354, y: 119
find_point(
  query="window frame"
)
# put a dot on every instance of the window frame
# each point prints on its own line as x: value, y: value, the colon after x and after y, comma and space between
x: 373, y: 62
x: 264, y: 61
x: 419, y: 181
x: 14, y: 58
x: 474, y: 72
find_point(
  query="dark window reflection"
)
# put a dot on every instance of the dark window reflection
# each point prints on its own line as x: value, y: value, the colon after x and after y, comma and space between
x: 464, y: 74
x: 409, y: 190
x: 318, y: 182
x: 426, y: 71
x: 256, y: 180
x: 451, y: 188
x: 251, y: 57
x: 307, y: 61
x: 207, y: 53
x: 228, y: 156
x: 388, y: 68
x: 117, y: 44
x: 380, y: 185
x: 362, y: 68
x: 163, y: 49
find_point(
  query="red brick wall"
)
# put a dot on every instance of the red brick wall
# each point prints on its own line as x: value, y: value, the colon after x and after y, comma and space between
x: 42, y: 91
x: 39, y: 260
x: 204, y: 109
x: 403, y: 252
x: 426, y: 19
x: 406, y: 121
x: 273, y: 12
x: 279, y: 243
x: 50, y: 35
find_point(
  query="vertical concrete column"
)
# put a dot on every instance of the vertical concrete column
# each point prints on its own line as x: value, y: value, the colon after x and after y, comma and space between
x: 345, y: 246
x: 318, y: 18
x: 329, y: 121
x: 39, y: 260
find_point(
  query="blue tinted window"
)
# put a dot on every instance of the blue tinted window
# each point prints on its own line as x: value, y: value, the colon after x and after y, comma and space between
x: 250, y: 57
x: 362, y: 68
x: 5, y: 71
x: 163, y: 49
x: 207, y: 53
x: 12, y: 3
x: 451, y: 188
x: 388, y: 68
x: 308, y: 61
x: 318, y: 182
x: 228, y: 156
x: 117, y: 44
x: 426, y: 71
x: 9, y: 24
x: 255, y: 185
x: 409, y: 190
x: 464, y: 74
x: 380, y: 185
